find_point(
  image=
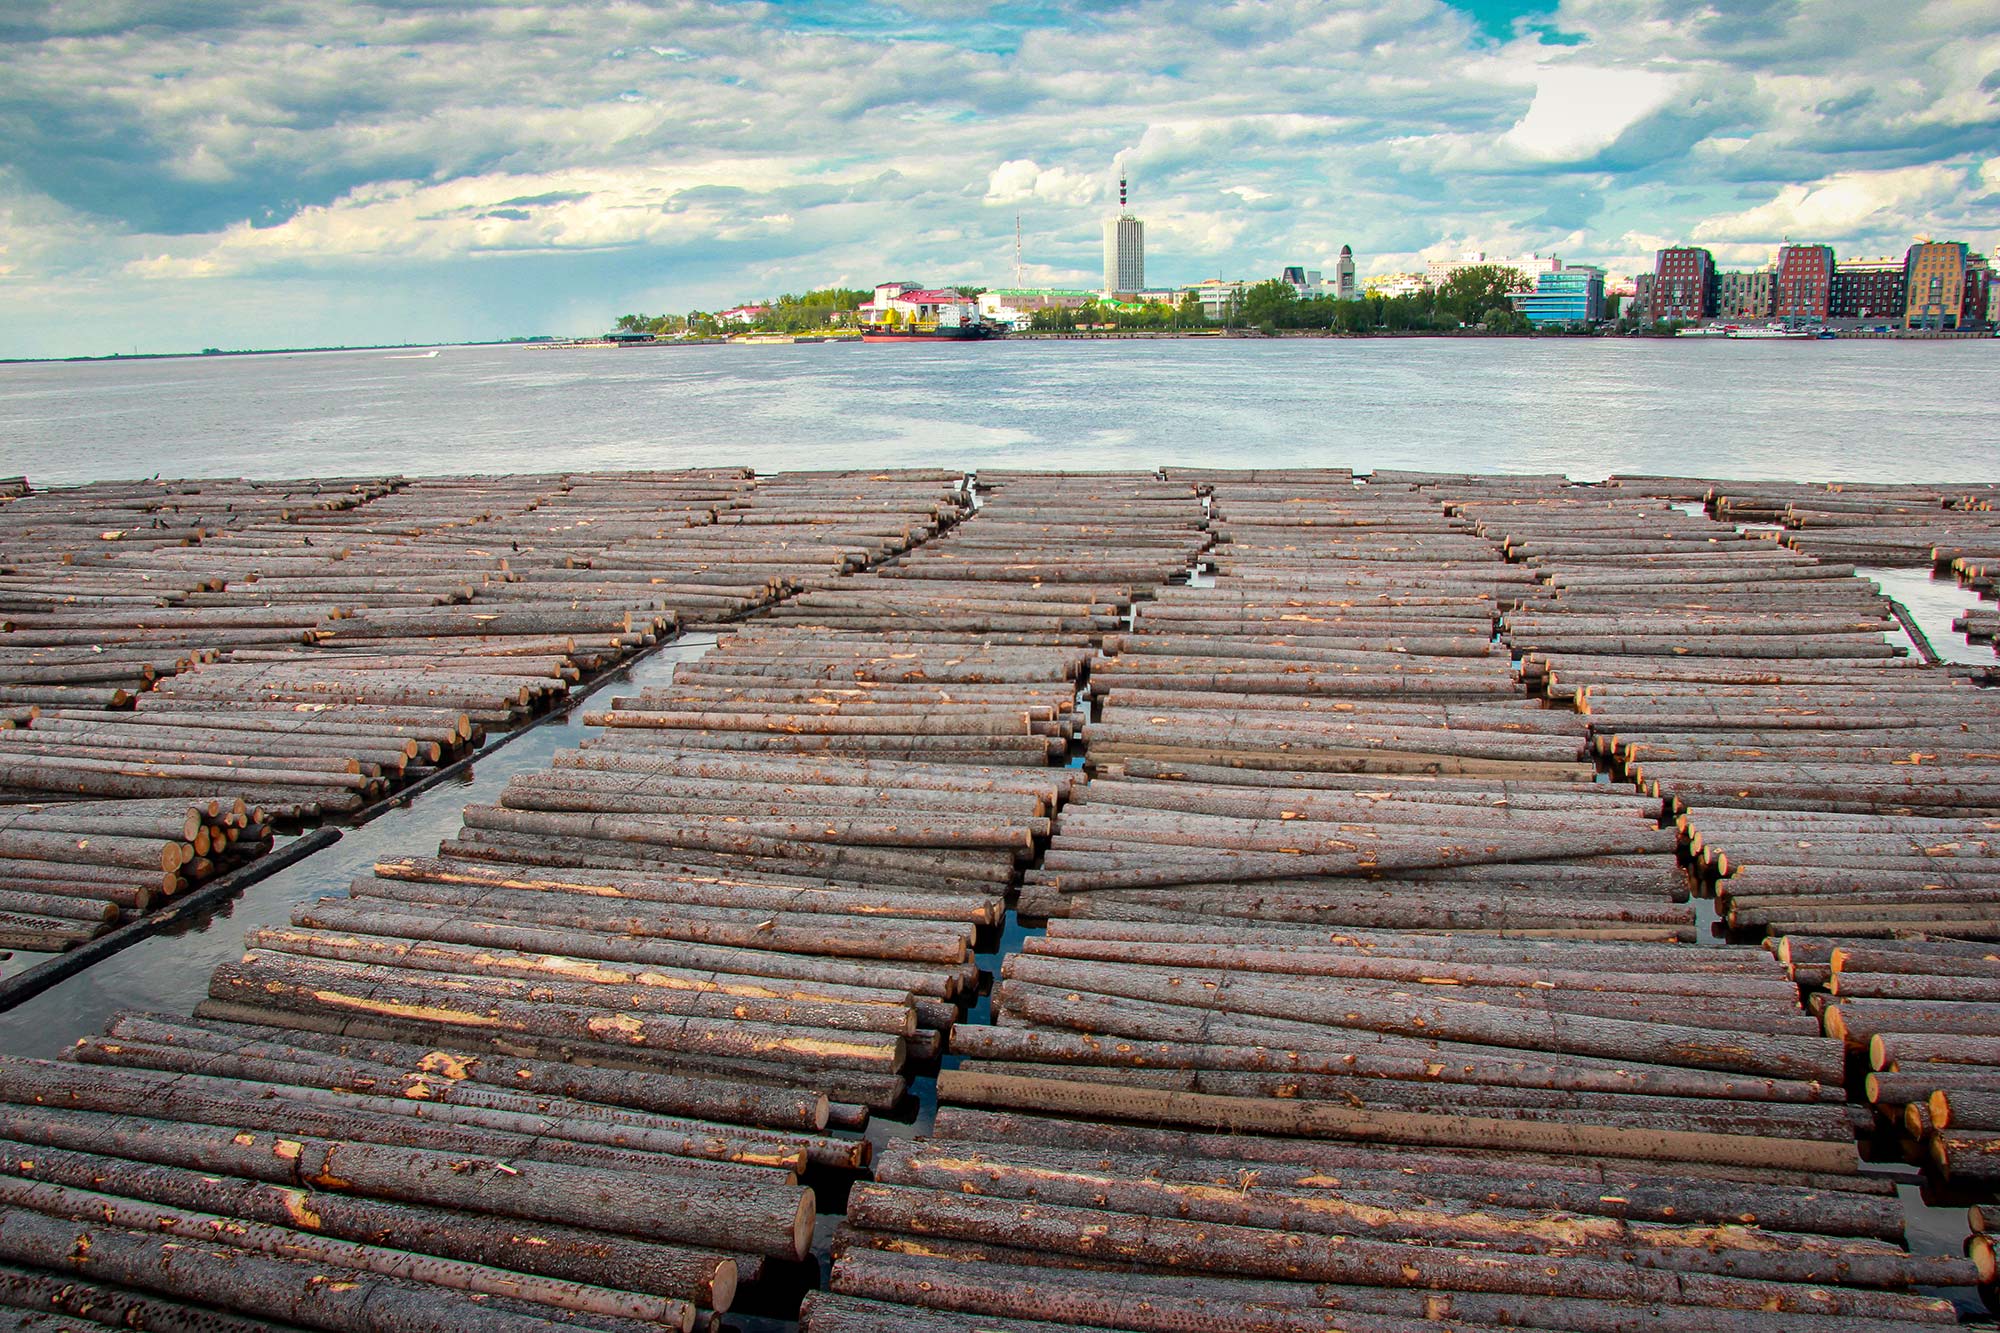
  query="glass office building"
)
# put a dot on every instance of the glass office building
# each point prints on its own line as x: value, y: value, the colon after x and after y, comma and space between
x: 1568, y: 296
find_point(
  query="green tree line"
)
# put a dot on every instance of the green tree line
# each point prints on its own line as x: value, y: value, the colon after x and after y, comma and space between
x: 1476, y: 297
x: 823, y: 308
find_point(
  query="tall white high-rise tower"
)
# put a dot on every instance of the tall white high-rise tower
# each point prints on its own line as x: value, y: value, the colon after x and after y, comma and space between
x: 1124, y: 250
x: 1343, y: 275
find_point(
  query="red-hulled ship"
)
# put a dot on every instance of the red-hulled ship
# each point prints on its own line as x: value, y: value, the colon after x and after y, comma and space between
x: 905, y: 312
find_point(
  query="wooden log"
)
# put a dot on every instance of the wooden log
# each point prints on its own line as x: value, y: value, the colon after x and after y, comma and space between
x: 1857, y: 1021
x: 1249, y: 1251
x: 283, y: 1242
x: 135, y: 853
x: 1329, y: 1120
x: 735, y: 1103
x: 596, y: 1257
x: 827, y: 1312
x: 39, y: 1302
x: 302, y: 989
x: 285, y: 1290
x: 760, y: 1219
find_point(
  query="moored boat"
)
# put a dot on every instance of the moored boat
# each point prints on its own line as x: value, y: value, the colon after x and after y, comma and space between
x: 958, y: 333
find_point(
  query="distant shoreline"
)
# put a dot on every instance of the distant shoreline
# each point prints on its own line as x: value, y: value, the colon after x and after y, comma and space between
x: 218, y: 354
x: 1080, y: 335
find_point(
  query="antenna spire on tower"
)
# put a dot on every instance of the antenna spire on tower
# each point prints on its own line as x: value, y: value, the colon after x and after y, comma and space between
x: 1121, y: 193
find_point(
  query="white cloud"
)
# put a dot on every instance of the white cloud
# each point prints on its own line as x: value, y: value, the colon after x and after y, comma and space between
x: 1579, y: 110
x: 410, y: 221
x: 1839, y: 207
x: 1022, y: 179
x: 705, y: 146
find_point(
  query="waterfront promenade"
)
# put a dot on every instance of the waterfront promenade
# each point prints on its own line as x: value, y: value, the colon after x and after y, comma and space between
x: 1147, y: 900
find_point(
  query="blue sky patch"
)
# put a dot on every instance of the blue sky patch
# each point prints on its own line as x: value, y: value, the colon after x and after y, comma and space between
x: 1498, y: 19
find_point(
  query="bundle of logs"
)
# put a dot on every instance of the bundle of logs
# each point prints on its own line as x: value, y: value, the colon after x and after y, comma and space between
x: 1344, y: 632
x: 74, y: 870
x: 310, y: 648
x: 905, y: 609
x: 1635, y: 577
x: 1862, y: 805
x: 1922, y: 1013
x: 1975, y: 566
x: 1224, y: 847
x: 314, y: 1179
x: 1295, y: 1217
x: 1107, y: 531
x: 1869, y: 524
x: 937, y: 699
x: 296, y: 759
x: 1624, y: 1035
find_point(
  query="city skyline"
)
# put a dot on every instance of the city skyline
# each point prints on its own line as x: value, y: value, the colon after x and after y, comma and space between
x: 180, y: 175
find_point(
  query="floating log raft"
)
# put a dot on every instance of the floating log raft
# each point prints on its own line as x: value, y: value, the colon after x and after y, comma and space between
x: 1919, y: 1011
x: 1868, y: 524
x: 307, y: 649
x: 1115, y: 531
x: 1205, y: 1221
x: 1367, y: 993
x: 77, y: 869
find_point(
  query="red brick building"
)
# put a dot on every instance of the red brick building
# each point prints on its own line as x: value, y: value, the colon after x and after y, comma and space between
x: 1684, y: 284
x: 1805, y: 283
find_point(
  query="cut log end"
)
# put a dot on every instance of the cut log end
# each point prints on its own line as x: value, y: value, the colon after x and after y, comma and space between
x: 722, y: 1286
x: 802, y: 1225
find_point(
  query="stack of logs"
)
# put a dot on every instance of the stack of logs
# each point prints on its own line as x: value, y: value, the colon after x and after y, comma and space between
x: 1823, y: 782
x: 1108, y: 531
x: 1219, y: 847
x: 800, y: 691
x: 1869, y: 524
x: 1224, y: 1213
x: 73, y: 871
x: 1327, y: 735
x: 318, y: 1178
x: 309, y: 648
x: 1923, y: 1014
x: 1295, y: 1129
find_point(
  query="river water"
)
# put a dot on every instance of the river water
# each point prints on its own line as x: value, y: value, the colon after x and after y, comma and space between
x: 1854, y: 410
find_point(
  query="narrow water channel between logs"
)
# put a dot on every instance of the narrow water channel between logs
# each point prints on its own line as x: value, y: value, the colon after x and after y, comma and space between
x: 169, y: 972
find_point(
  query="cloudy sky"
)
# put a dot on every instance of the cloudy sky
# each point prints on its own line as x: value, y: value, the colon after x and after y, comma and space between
x: 185, y: 173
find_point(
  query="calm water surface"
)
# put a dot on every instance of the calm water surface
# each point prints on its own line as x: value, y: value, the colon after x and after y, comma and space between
x: 1840, y: 410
